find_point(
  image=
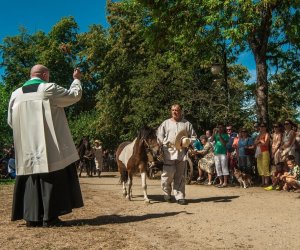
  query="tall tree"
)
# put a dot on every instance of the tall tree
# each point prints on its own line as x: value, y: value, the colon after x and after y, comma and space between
x: 264, y: 27
x: 258, y: 25
x: 179, y: 30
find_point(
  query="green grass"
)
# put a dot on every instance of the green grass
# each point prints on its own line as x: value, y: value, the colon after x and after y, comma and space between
x: 7, y: 181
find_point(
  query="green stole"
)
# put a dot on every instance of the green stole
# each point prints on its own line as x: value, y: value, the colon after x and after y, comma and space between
x: 34, y: 81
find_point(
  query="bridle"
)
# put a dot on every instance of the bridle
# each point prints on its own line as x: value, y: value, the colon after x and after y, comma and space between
x: 149, y: 147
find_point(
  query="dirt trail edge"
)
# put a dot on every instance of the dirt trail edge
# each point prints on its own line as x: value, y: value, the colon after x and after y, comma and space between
x: 229, y: 218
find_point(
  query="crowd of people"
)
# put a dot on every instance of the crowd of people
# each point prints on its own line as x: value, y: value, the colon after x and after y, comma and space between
x: 7, y: 163
x: 270, y: 158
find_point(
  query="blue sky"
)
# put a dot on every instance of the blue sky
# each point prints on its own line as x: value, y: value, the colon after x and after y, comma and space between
x: 37, y: 15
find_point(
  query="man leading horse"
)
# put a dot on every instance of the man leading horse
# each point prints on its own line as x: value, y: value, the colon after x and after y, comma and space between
x: 175, y: 135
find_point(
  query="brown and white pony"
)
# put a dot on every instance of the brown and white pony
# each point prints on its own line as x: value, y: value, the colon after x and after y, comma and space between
x: 134, y: 156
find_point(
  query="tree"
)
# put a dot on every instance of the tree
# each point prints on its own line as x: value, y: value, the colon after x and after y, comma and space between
x: 6, y: 133
x: 258, y: 25
x: 178, y: 30
x: 265, y: 27
x: 61, y: 50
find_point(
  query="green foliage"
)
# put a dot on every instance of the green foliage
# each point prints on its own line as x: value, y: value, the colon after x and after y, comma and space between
x: 82, y: 125
x: 157, y: 53
x: 6, y: 133
x: 7, y: 181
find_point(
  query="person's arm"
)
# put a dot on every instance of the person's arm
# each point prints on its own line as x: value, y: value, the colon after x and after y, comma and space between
x: 291, y: 140
x: 279, y: 143
x: 65, y: 97
x: 10, y: 105
x: 205, y: 150
x: 257, y: 140
x: 212, y: 138
x: 265, y: 141
x: 222, y: 140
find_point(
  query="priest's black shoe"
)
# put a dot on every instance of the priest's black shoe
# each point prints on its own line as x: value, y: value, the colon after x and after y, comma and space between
x: 34, y: 223
x: 56, y: 222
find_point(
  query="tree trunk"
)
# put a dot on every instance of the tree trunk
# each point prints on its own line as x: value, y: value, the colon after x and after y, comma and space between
x: 258, y: 41
x: 261, y: 89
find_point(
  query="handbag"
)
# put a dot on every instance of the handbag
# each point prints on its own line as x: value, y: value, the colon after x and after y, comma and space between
x: 258, y: 151
x: 249, y: 151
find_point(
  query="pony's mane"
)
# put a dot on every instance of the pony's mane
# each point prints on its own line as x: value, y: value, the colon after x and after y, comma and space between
x: 146, y: 132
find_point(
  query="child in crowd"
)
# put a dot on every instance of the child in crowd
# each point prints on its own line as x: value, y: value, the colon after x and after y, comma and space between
x: 277, y: 171
x: 291, y: 179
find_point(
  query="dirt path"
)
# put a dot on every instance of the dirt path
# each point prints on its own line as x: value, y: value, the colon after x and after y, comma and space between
x: 230, y: 218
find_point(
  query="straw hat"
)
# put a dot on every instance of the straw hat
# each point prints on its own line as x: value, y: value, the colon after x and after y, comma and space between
x: 97, y: 141
x: 182, y: 140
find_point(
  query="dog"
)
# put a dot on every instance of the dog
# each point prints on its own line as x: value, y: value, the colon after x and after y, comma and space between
x: 244, y: 179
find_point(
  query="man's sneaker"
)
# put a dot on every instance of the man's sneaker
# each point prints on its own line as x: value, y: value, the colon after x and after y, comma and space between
x: 168, y: 198
x: 269, y: 188
x: 182, y: 202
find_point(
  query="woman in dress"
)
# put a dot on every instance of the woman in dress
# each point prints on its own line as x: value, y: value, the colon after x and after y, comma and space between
x: 289, y: 137
x: 262, y: 154
x: 206, y: 163
x: 277, y: 137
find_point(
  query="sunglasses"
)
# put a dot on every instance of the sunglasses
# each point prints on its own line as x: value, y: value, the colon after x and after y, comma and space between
x: 286, y: 123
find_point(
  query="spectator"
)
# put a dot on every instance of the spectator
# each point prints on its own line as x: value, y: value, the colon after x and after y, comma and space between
x: 256, y: 131
x: 208, y: 134
x: 98, y: 153
x: 262, y: 143
x: 277, y: 172
x: 221, y: 162
x: 289, y: 137
x: 230, y: 149
x: 245, y: 149
x: 86, y: 156
x: 254, y: 135
x: 11, y: 166
x: 197, y: 145
x: 276, y: 144
x: 206, y: 163
x: 291, y: 178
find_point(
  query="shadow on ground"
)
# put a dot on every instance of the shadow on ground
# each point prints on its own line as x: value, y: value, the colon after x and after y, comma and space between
x: 119, y: 219
x: 160, y: 198
x: 214, y: 199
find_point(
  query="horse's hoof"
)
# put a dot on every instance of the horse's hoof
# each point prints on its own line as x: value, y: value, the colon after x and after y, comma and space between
x: 147, y: 201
